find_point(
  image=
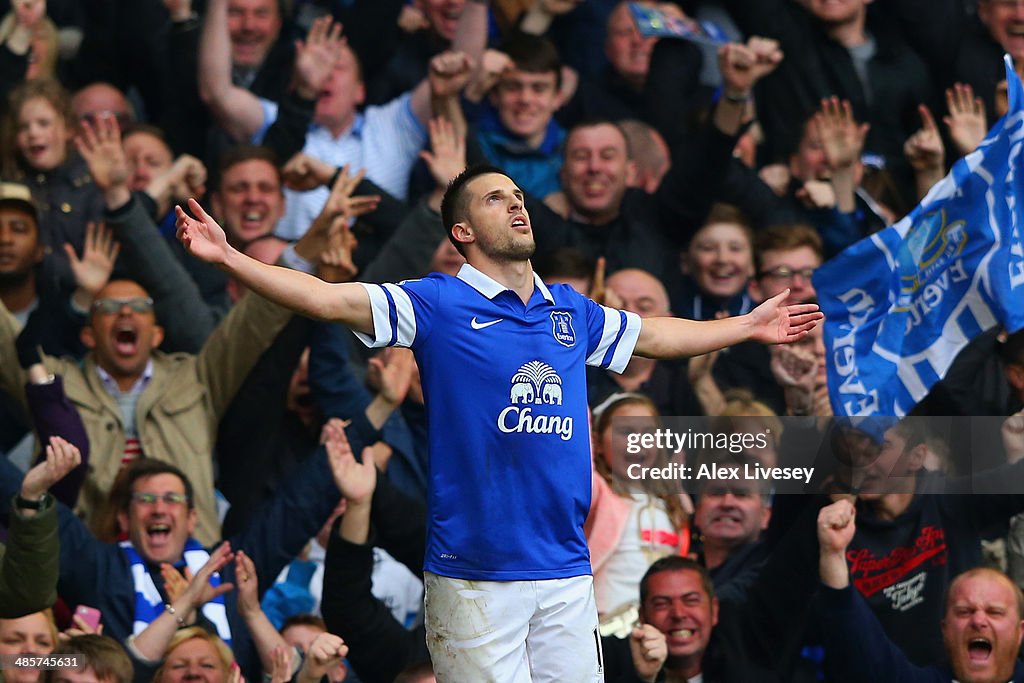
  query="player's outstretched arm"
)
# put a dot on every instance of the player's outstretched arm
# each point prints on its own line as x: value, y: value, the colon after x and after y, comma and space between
x: 770, y: 323
x: 347, y: 303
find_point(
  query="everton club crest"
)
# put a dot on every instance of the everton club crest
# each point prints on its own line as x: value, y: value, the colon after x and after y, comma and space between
x: 561, y: 328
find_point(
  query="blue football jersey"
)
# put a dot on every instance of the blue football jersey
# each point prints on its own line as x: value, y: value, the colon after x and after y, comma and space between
x: 506, y: 399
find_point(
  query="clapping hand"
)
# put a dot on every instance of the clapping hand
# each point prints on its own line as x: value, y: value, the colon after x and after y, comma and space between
x: 198, y: 591
x: 447, y: 157
x: 391, y: 373
x: 100, y: 146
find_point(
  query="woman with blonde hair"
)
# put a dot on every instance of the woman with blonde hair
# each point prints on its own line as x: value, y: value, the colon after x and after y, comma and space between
x: 192, y: 652
x: 26, y: 32
x: 631, y: 523
x: 33, y: 634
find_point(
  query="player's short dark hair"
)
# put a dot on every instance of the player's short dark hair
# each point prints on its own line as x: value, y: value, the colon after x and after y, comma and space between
x: 102, y: 654
x: 533, y: 54
x: 148, y: 467
x: 240, y: 154
x: 455, y: 203
x: 676, y: 563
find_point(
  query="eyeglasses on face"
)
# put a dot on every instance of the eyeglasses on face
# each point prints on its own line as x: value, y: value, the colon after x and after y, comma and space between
x: 170, y: 498
x: 135, y: 304
x: 787, y: 273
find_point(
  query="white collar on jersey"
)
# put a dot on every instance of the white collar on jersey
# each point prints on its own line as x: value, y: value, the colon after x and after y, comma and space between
x: 491, y: 288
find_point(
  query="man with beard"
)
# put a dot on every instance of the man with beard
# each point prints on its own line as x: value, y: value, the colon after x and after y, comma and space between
x: 981, y: 629
x: 502, y: 359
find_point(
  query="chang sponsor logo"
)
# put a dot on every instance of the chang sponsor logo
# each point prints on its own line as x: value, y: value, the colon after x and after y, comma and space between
x: 535, y: 385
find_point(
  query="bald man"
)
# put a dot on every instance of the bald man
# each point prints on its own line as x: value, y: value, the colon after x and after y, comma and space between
x: 982, y: 625
x: 664, y: 382
x: 102, y: 98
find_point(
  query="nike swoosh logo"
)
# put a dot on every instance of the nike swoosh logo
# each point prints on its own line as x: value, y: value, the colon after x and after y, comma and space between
x: 479, y: 326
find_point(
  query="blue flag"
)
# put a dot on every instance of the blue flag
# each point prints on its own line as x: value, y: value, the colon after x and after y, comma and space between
x: 899, y: 305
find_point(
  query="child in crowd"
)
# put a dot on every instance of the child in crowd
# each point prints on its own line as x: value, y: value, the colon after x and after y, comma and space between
x: 716, y: 267
x: 631, y: 523
x: 38, y: 130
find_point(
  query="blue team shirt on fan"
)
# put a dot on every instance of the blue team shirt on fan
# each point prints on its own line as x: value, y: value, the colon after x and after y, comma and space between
x: 506, y: 398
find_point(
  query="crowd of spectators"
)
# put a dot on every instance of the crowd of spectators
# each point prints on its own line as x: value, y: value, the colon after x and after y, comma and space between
x: 207, y: 486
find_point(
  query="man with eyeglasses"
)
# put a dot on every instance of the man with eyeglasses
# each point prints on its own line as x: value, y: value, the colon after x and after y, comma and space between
x: 785, y: 256
x: 136, y: 401
x: 155, y: 505
x: 33, y: 303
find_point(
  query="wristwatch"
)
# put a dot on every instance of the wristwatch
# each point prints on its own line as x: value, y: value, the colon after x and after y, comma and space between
x: 39, y: 503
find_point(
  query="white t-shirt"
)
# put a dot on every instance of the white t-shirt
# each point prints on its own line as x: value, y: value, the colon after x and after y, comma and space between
x: 647, y: 536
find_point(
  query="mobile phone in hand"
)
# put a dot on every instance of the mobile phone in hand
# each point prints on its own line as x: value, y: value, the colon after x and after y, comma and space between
x: 90, y: 615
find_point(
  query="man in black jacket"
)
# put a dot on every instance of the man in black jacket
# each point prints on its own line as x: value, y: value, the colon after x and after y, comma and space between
x: 629, y: 227
x: 677, y: 597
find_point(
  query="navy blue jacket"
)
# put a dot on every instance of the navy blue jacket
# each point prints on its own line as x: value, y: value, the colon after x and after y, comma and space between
x: 859, y: 650
x: 99, y: 575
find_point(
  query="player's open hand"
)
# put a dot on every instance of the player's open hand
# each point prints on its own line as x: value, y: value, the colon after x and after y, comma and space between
x: 201, y: 236
x: 774, y: 323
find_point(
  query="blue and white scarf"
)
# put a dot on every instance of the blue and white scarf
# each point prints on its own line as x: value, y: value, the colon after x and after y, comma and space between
x: 149, y: 604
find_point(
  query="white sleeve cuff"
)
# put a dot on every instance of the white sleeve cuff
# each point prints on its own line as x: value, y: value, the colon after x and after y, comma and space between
x: 618, y: 339
x: 292, y: 260
x: 394, y: 320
